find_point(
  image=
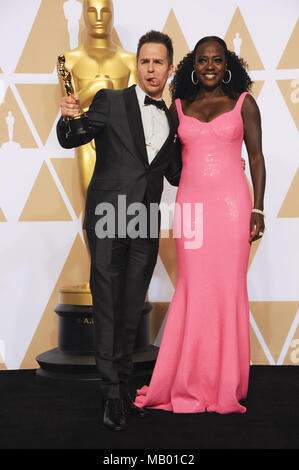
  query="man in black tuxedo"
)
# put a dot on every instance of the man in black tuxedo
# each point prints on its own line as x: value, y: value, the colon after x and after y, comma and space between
x: 135, y: 148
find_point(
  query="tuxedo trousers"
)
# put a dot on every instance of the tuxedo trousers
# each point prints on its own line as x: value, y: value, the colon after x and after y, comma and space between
x: 120, y: 273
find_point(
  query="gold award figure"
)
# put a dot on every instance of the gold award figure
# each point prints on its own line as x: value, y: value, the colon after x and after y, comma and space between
x: 78, y: 123
x: 65, y: 76
x: 97, y: 63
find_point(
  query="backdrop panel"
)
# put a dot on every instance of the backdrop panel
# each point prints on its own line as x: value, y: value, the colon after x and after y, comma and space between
x: 41, y: 242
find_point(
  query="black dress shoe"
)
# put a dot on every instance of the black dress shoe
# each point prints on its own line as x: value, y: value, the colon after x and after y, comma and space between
x: 114, y: 418
x: 131, y: 409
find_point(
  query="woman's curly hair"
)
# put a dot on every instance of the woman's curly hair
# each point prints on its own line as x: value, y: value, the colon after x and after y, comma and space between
x: 182, y: 86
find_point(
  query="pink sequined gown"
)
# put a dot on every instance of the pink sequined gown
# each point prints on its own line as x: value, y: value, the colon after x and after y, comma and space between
x: 204, y: 357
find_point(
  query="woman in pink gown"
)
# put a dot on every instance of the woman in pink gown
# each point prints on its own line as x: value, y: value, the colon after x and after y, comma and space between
x: 204, y: 357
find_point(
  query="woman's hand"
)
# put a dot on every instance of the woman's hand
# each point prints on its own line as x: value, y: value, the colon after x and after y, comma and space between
x: 257, y: 226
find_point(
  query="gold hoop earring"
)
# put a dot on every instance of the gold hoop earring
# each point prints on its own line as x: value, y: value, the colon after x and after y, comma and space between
x: 230, y: 76
x: 192, y: 78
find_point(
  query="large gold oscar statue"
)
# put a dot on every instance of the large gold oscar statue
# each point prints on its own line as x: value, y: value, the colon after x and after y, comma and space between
x: 98, y: 63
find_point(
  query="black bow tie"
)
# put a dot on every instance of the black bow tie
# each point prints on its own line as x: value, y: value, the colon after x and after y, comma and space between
x: 159, y: 103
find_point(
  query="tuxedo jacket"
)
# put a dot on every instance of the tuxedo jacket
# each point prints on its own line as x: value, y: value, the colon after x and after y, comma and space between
x: 122, y: 166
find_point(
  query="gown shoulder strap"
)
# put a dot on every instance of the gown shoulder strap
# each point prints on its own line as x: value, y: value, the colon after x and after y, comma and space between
x: 240, y: 101
x: 178, y: 104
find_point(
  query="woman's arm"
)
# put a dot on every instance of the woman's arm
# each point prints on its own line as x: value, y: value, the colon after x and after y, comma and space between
x: 253, y: 141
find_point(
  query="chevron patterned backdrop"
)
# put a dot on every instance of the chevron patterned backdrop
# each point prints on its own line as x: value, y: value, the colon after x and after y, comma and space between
x: 41, y: 241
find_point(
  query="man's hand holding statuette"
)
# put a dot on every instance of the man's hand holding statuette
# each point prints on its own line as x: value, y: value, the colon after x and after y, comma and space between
x: 70, y: 106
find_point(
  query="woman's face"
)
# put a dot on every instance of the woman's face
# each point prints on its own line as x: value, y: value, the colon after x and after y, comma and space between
x: 210, y: 64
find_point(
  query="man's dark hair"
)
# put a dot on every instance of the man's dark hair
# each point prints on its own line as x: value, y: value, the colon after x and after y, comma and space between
x: 158, y: 38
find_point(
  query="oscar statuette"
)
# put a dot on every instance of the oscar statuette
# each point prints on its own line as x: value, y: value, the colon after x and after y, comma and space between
x: 78, y: 124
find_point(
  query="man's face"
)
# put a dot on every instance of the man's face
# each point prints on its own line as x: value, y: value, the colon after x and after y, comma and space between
x: 153, y: 69
x: 98, y: 16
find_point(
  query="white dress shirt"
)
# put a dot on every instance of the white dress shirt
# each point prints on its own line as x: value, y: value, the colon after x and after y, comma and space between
x: 155, y: 125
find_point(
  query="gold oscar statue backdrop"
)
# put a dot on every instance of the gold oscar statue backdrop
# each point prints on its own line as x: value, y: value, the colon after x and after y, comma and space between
x: 41, y: 199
